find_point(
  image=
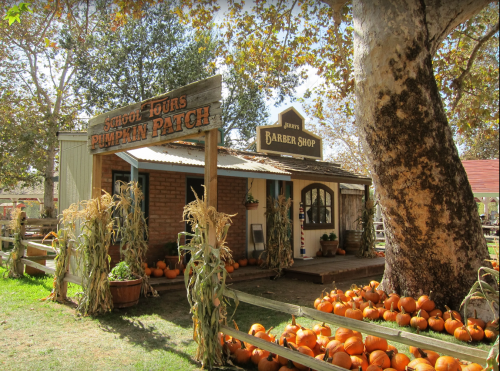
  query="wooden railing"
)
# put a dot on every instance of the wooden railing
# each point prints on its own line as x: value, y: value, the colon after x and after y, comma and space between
x: 37, y: 225
x: 459, y: 351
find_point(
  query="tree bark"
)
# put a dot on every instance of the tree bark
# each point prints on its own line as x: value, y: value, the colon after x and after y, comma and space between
x: 434, y: 235
x: 48, y: 183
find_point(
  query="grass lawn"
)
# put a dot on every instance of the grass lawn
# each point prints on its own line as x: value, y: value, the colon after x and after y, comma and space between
x: 155, y: 334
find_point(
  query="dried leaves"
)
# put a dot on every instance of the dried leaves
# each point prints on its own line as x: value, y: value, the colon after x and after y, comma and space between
x: 205, y: 288
x: 17, y: 218
x: 279, y: 248
x: 133, y: 231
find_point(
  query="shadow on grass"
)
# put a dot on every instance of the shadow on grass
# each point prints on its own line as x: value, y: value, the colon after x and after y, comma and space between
x: 140, y: 334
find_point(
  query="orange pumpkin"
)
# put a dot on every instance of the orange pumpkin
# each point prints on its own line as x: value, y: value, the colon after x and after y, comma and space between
x: 408, y: 303
x: 342, y: 334
x: 229, y: 268
x: 242, y: 355
x: 147, y: 271
x: 293, y: 327
x: 471, y: 321
x: 325, y: 306
x: 322, y: 329
x: 390, y: 315
x: 354, y: 312
x: 447, y: 363
x: 392, y: 299
x: 306, y: 337
x: 354, y: 345
x: 243, y: 262
x: 418, y: 321
x: 268, y: 364
x: 170, y: 273
x: 426, y: 303
x: 399, y: 361
x: 403, y: 319
x: 370, y: 312
x: 144, y: 265
x: 252, y: 261
x: 161, y: 265
x: 451, y: 324
x: 236, y: 265
x: 380, y: 358
x: 375, y: 343
x: 158, y: 272
x: 359, y: 360
x: 334, y: 346
x: 436, y: 323
x: 342, y: 359
x: 258, y: 354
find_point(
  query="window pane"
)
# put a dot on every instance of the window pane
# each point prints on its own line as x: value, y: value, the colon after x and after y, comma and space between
x: 308, y: 198
x: 328, y: 199
x: 314, y: 196
x: 321, y: 197
x: 322, y: 216
x: 328, y: 214
x: 308, y: 215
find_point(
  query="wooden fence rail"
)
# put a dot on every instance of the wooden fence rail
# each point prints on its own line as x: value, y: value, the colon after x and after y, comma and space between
x: 459, y: 351
x: 32, y: 261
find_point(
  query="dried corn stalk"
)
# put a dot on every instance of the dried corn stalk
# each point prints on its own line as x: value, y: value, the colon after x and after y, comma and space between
x: 205, y: 288
x: 367, y: 249
x: 133, y: 231
x: 279, y: 248
x: 93, y: 247
x: 62, y: 242
x: 15, y: 226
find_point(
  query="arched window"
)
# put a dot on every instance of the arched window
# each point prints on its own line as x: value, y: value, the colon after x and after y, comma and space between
x: 318, y: 206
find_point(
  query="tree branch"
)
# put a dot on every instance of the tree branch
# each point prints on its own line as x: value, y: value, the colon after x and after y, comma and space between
x: 442, y: 17
x: 457, y: 84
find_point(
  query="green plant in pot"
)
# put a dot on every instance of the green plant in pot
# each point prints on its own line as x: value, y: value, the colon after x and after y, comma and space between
x: 329, y: 244
x: 251, y: 203
x: 172, y: 257
x: 121, y: 272
x: 125, y: 286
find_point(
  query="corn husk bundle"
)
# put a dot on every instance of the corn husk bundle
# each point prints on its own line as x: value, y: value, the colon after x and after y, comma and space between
x: 367, y: 249
x: 205, y: 288
x: 62, y: 241
x: 93, y: 247
x: 15, y: 226
x: 279, y: 248
x: 133, y: 231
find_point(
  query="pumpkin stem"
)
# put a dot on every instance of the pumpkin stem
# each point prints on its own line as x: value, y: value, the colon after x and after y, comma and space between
x: 475, y: 314
x: 325, y: 357
x: 390, y: 353
x: 270, y: 357
x: 451, y: 315
x: 293, y: 317
x: 290, y: 346
x: 285, y: 343
x: 268, y: 331
x: 235, y: 325
x: 419, y: 314
x: 370, y: 304
x: 392, y: 307
x: 447, y: 308
x: 422, y: 353
x: 431, y: 295
x: 403, y: 310
x: 354, y: 306
x: 290, y: 364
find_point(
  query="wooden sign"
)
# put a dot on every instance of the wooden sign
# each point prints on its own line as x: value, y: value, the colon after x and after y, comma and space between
x: 289, y: 137
x: 182, y: 113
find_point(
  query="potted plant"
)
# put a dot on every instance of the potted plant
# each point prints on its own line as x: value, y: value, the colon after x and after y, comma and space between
x: 329, y: 244
x: 172, y: 257
x: 251, y: 203
x: 125, y: 287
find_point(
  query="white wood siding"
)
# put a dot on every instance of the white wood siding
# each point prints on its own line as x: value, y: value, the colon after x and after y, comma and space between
x: 75, y: 172
x: 311, y: 237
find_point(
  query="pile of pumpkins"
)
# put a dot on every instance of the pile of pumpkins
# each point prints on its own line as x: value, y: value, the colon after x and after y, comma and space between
x: 161, y: 270
x: 345, y: 348
x: 372, y: 304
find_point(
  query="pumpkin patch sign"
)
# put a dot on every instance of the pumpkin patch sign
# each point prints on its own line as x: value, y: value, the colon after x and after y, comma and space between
x: 182, y: 113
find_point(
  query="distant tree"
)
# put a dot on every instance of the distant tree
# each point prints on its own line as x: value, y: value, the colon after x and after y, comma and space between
x: 140, y: 59
x: 243, y: 109
x: 36, y: 71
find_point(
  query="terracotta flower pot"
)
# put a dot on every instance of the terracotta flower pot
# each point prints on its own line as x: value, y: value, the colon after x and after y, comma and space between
x: 125, y: 293
x: 329, y: 248
x: 252, y: 206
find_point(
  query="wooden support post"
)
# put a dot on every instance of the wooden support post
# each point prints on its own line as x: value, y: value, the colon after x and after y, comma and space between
x: 96, y: 175
x: 211, y: 175
x: 5, y: 244
x: 20, y: 265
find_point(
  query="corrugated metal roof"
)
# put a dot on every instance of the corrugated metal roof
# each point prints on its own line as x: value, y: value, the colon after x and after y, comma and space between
x: 190, y: 155
x: 230, y: 159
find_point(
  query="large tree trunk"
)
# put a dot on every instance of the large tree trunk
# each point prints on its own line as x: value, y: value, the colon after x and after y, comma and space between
x: 434, y: 235
x: 48, y: 185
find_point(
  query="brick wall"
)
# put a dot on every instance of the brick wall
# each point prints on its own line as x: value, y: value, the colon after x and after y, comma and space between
x: 167, y: 195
